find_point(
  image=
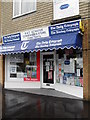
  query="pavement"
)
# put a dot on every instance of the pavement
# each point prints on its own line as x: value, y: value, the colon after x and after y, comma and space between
x: 23, y: 106
x: 46, y: 92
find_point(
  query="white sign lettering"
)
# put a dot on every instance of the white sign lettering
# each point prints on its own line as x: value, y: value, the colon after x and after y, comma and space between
x: 50, y: 43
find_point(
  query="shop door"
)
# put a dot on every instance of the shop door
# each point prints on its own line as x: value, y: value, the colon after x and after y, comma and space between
x: 48, y: 70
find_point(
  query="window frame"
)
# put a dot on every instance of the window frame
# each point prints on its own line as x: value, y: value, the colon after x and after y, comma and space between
x: 21, y: 14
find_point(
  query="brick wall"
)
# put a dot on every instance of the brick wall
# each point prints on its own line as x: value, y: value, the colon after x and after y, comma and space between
x: 86, y: 60
x: 89, y: 59
x: 83, y: 5
x: 41, y: 17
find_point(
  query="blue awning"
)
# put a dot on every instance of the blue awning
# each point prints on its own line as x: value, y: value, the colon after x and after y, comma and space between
x: 69, y: 40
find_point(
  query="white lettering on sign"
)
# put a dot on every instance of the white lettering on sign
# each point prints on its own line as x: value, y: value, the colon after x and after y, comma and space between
x: 7, y: 48
x: 50, y: 43
x: 35, y: 33
x: 24, y: 45
x: 67, y: 27
x: 12, y: 38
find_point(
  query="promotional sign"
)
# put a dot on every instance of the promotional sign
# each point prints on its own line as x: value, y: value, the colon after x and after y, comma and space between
x: 65, y: 8
x: 12, y: 38
x: 13, y: 69
x: 35, y: 33
x: 63, y: 28
x: 50, y: 75
x: 69, y: 66
x: 30, y: 79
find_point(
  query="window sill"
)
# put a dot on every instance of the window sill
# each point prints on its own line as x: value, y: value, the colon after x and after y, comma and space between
x: 21, y: 15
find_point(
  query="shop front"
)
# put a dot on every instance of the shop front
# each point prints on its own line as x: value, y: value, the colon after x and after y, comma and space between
x: 47, y: 62
x: 22, y: 70
x: 62, y: 70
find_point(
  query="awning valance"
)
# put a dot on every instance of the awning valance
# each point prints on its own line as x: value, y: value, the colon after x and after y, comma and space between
x: 62, y: 41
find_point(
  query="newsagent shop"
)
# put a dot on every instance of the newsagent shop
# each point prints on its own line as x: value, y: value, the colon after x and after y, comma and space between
x: 47, y: 57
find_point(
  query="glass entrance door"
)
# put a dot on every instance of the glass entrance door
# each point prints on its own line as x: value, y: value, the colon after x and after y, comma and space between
x: 48, y: 69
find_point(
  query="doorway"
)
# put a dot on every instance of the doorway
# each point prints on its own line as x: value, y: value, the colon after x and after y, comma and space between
x: 48, y: 69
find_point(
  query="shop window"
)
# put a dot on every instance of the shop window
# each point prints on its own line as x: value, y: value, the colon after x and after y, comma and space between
x: 31, y: 65
x: 70, y: 67
x: 16, y: 66
x: 22, y: 7
x: 25, y: 66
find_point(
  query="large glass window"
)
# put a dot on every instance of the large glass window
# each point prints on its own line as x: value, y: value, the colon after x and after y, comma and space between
x: 69, y: 67
x: 17, y: 66
x: 23, y: 66
x: 31, y: 65
x: 21, y: 7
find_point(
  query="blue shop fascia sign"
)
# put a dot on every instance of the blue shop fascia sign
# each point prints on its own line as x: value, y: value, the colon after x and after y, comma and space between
x: 64, y: 28
x: 12, y: 38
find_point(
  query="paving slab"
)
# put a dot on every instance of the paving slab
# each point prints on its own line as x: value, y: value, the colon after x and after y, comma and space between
x: 47, y: 92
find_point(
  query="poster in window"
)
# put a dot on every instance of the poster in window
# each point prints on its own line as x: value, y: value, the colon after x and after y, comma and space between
x: 32, y: 57
x: 78, y: 72
x: 81, y: 81
x: 50, y: 75
x: 12, y: 69
x: 59, y: 70
x: 47, y: 68
x: 51, y: 66
x: 17, y: 58
x: 47, y: 63
x: 69, y: 68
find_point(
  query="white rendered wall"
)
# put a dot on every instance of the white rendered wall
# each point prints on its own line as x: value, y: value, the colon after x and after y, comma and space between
x: 20, y: 84
x: 72, y: 90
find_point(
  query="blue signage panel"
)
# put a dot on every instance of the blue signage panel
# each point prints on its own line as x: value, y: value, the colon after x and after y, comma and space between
x: 12, y: 38
x: 63, y: 28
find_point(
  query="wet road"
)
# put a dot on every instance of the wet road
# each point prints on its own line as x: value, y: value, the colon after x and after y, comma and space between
x: 25, y: 105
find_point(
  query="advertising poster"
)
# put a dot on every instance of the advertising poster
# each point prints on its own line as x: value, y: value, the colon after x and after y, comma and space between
x: 59, y: 70
x: 13, y: 70
x: 17, y: 58
x: 81, y: 81
x: 78, y: 72
x: 50, y: 75
x: 47, y: 66
x: 69, y: 68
